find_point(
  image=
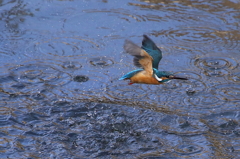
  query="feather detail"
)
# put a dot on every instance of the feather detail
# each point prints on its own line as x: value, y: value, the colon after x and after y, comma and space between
x: 151, y: 48
x: 141, y: 57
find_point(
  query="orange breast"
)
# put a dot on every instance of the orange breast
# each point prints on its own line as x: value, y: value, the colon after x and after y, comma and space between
x: 144, y: 78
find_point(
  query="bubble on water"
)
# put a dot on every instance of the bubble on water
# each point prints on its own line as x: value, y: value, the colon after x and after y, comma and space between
x: 216, y: 66
x: 216, y: 72
x: 190, y: 90
x: 71, y: 65
x: 101, y: 61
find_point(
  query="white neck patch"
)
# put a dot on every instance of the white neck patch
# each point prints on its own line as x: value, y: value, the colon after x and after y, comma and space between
x: 158, y: 79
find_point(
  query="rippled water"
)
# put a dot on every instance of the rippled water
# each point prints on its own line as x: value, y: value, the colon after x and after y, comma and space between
x: 60, y: 62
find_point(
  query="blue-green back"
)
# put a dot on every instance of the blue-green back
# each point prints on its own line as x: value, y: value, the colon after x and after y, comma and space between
x: 130, y: 74
x: 150, y: 47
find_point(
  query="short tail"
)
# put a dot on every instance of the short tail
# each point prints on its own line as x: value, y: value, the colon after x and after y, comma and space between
x: 123, y: 78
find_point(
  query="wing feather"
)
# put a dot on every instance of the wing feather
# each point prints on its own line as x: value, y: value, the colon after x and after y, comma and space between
x: 149, y: 46
x: 141, y: 57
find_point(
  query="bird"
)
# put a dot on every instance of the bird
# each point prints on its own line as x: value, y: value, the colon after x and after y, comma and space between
x: 147, y: 57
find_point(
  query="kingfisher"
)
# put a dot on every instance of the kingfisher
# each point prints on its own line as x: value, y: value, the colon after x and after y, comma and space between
x: 147, y: 58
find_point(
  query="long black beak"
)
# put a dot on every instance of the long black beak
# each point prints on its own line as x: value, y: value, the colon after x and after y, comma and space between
x: 175, y: 77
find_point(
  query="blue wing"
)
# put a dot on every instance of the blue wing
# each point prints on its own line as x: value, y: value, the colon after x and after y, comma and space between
x: 150, y: 47
x: 130, y: 74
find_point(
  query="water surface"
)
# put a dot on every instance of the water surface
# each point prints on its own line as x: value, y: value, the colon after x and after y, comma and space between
x: 60, y: 96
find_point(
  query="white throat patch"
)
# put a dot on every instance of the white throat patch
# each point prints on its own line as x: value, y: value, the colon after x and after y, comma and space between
x: 158, y: 79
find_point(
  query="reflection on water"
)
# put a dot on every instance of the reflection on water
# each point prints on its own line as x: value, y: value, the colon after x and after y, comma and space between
x: 60, y: 93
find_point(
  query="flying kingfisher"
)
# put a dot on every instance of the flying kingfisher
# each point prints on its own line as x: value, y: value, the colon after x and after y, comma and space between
x: 147, y: 57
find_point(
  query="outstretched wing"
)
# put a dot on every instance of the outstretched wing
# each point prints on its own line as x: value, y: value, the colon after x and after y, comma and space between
x: 151, y: 48
x: 141, y: 57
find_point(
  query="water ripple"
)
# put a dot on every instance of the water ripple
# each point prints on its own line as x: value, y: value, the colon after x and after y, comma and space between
x: 216, y: 66
x: 205, y: 101
x: 39, y: 73
x: 193, y: 85
x: 13, y: 42
x: 71, y: 65
x: 188, y: 149
x: 225, y: 123
x: 122, y: 14
x: 165, y: 97
x: 235, y: 77
x: 122, y: 91
x: 90, y: 86
x: 192, y: 35
x: 101, y: 61
x: 196, y: 36
x: 31, y: 79
x: 228, y: 92
x: 182, y: 126
x: 63, y: 46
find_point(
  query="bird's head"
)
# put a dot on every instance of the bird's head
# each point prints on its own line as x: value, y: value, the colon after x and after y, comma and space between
x: 164, y: 76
